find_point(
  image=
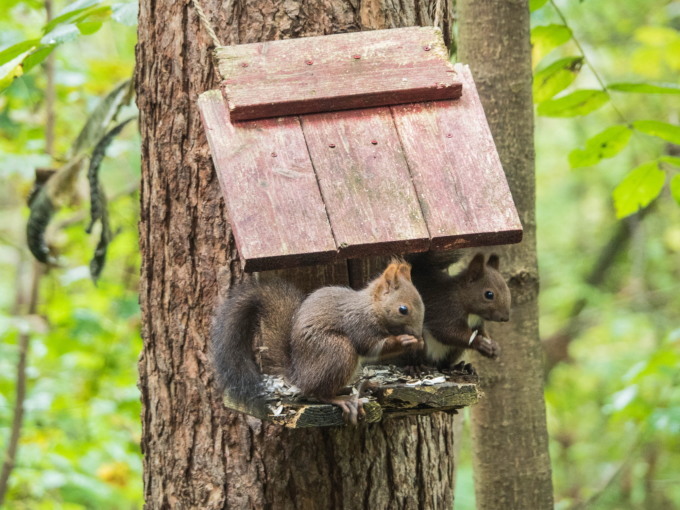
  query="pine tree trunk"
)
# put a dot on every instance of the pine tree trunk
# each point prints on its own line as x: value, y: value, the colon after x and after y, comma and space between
x: 512, y: 463
x: 197, y: 454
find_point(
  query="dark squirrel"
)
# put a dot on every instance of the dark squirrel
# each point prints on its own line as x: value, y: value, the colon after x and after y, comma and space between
x: 457, y: 306
x: 316, y: 342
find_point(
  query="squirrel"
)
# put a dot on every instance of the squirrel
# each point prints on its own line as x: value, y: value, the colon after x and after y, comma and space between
x: 456, y: 307
x: 316, y: 342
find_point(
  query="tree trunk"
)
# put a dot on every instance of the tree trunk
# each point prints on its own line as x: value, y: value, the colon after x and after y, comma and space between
x: 512, y: 464
x: 196, y: 453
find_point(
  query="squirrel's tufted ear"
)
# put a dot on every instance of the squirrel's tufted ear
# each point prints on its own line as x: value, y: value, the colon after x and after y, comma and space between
x: 493, y: 262
x: 404, y: 270
x: 476, y: 267
x: 389, y: 280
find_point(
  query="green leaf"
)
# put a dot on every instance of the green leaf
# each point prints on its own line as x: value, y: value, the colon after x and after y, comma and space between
x: 37, y: 57
x: 89, y: 27
x: 671, y: 160
x: 555, y: 78
x: 545, y: 38
x: 535, y: 5
x: 606, y: 144
x: 675, y: 188
x: 646, y: 88
x: 637, y: 190
x: 581, y: 102
x: 11, y: 53
x: 69, y: 16
x: 662, y: 130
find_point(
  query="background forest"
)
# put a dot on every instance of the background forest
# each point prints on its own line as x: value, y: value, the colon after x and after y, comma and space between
x: 607, y: 136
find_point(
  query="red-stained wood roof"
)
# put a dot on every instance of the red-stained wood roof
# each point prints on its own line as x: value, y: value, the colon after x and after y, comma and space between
x: 386, y: 178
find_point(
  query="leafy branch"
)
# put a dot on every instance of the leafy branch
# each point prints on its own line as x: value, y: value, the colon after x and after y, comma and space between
x: 643, y: 183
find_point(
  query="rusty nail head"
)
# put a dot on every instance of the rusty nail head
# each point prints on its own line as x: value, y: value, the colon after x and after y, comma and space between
x: 308, y: 62
x: 331, y: 145
x: 356, y: 57
x: 244, y: 64
x: 274, y: 154
x: 427, y: 48
x: 374, y: 142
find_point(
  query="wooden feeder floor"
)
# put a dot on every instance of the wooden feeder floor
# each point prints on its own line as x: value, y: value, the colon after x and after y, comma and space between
x: 394, y: 394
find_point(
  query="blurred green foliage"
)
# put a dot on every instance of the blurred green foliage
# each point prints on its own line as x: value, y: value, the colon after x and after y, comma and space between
x: 613, y: 405
x: 79, y: 446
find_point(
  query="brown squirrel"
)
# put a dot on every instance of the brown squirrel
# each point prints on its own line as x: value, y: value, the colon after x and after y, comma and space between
x: 457, y: 306
x: 316, y: 342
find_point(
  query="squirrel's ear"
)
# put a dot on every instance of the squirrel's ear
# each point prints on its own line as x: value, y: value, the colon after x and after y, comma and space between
x: 476, y: 267
x: 389, y: 278
x: 404, y: 270
x: 493, y: 262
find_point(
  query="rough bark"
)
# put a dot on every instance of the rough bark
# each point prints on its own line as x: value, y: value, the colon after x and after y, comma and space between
x: 197, y: 454
x: 512, y: 464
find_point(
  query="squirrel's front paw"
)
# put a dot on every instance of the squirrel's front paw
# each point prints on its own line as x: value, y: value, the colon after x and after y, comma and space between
x: 486, y: 347
x: 411, y: 342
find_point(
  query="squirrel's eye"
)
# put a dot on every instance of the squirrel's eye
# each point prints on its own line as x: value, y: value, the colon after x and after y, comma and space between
x: 488, y: 294
x: 403, y: 309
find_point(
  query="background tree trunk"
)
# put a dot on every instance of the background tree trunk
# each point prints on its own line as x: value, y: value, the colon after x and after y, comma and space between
x: 512, y: 463
x: 197, y: 454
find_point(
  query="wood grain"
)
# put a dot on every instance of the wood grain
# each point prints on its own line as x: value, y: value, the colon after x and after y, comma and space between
x: 275, y: 208
x: 457, y: 172
x: 365, y: 183
x: 336, y: 72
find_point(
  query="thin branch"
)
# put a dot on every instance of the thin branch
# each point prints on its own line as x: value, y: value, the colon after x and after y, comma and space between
x: 50, y: 93
x: 24, y: 339
x: 587, y: 60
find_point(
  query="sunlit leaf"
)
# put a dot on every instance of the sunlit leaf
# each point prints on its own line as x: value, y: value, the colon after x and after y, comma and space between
x: 646, y: 88
x: 656, y: 35
x: 581, y: 102
x: 545, y: 38
x: 622, y: 398
x: 11, y: 61
x: 68, y: 17
x: 89, y: 27
x: 606, y: 144
x: 126, y: 13
x: 535, y: 5
x: 637, y: 190
x: 61, y: 34
x: 19, y: 49
x: 671, y: 160
x: 662, y: 130
x: 555, y: 78
x: 675, y: 188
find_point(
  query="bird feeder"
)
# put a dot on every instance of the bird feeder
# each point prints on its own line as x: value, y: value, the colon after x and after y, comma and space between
x: 353, y: 145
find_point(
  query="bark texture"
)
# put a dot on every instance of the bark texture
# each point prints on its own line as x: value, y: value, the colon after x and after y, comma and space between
x: 197, y: 454
x: 512, y: 463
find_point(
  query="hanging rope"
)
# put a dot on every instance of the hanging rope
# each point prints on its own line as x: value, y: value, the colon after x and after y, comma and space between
x: 437, y: 13
x: 206, y: 24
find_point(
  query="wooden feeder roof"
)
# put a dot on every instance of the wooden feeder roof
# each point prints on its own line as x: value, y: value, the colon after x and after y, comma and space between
x: 353, y: 145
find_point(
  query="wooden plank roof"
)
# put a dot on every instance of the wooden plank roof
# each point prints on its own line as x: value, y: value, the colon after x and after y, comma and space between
x: 307, y: 188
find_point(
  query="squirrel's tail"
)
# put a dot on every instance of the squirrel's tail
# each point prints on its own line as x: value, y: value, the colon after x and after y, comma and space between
x: 438, y: 260
x: 252, y: 309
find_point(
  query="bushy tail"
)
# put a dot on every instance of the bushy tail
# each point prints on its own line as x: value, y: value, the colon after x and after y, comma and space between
x: 233, y: 329
x: 438, y: 260
x: 251, y: 309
